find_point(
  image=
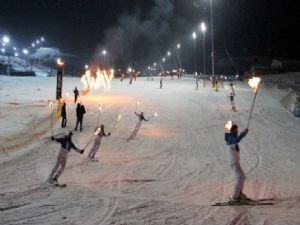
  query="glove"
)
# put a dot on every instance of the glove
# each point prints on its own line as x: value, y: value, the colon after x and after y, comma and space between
x: 246, y: 130
x: 52, y: 138
x: 81, y: 151
x: 109, y: 134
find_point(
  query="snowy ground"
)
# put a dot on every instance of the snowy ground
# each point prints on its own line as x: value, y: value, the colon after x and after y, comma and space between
x: 170, y: 174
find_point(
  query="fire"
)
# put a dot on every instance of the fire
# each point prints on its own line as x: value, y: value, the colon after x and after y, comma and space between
x: 102, y: 78
x: 228, y: 125
x: 254, y: 82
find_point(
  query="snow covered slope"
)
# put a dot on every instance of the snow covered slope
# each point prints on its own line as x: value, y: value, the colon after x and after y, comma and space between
x: 170, y: 173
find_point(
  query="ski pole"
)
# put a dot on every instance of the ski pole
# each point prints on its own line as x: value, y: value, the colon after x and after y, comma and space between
x: 117, y: 121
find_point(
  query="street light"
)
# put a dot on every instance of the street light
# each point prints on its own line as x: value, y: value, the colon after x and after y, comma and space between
x: 194, y: 35
x: 104, y: 52
x: 179, y: 59
x: 5, y: 39
x: 42, y: 39
x: 163, y: 59
x: 203, y: 29
x: 25, y: 51
x: 3, y: 50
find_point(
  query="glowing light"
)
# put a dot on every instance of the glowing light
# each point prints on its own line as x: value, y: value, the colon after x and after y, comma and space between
x: 37, y: 41
x: 254, y: 83
x: 25, y: 51
x: 16, y: 54
x: 119, y: 117
x: 100, y: 107
x: 154, y: 64
x: 5, y: 39
x: 228, y: 125
x: 164, y: 59
x: 86, y: 66
x: 203, y: 27
x: 59, y: 62
x: 104, y: 52
x: 129, y: 70
x: 137, y: 103
x: 97, y: 131
x: 2, y: 50
x: 32, y: 44
x: 169, y: 53
x: 194, y: 35
x: 178, y: 45
x: 15, y: 49
x: 102, y: 78
x: 155, y: 114
x: 42, y: 39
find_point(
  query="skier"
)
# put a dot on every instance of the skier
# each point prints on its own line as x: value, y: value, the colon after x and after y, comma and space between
x: 76, y: 94
x: 63, y: 115
x: 97, y: 142
x: 232, y: 139
x: 161, y: 82
x: 80, y: 111
x: 66, y: 146
x: 138, y: 125
x: 231, y: 97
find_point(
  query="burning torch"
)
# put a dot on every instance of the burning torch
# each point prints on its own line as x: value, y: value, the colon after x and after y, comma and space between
x: 153, y: 116
x: 97, y: 131
x: 254, y: 83
x: 99, y: 110
x: 137, y: 105
x: 119, y: 117
x: 51, y: 117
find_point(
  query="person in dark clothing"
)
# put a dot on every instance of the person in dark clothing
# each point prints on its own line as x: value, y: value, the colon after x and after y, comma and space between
x: 66, y: 146
x: 63, y: 115
x: 197, y: 80
x: 232, y: 139
x: 80, y: 111
x: 76, y: 94
x: 138, y: 125
x: 231, y: 97
x: 161, y: 82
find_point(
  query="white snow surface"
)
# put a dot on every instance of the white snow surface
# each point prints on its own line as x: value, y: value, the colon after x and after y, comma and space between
x: 171, y: 173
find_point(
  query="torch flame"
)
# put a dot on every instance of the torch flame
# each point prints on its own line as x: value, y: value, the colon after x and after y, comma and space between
x: 155, y: 114
x: 103, y: 78
x: 119, y: 117
x: 228, y: 125
x: 254, y: 82
x: 137, y: 103
x: 97, y: 131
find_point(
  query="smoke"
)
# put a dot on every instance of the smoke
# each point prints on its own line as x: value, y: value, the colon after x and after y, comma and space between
x: 139, y: 39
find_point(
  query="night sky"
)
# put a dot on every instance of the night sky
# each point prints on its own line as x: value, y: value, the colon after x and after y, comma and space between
x: 139, y: 32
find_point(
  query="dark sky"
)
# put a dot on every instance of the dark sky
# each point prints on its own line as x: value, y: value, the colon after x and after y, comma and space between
x: 141, y: 31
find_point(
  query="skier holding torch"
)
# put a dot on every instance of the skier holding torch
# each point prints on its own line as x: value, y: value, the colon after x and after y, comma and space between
x: 232, y: 140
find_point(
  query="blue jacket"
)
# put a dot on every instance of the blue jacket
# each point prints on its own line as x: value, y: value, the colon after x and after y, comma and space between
x: 63, y: 142
x: 232, y: 139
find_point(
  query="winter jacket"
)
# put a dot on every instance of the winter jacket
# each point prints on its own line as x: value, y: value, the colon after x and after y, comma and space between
x: 63, y: 111
x: 65, y: 144
x: 234, y: 149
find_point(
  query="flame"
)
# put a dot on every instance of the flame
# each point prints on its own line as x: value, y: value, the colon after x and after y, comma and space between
x: 97, y: 131
x: 155, y: 114
x: 102, y: 78
x: 254, y: 82
x: 228, y: 125
x: 119, y: 117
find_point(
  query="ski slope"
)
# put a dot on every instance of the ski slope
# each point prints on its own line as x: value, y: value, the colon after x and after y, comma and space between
x: 171, y: 173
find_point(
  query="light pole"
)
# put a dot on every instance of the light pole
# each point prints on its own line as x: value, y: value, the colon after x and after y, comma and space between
x: 203, y: 29
x: 179, y: 59
x: 195, y: 38
x: 212, y: 39
x: 169, y: 54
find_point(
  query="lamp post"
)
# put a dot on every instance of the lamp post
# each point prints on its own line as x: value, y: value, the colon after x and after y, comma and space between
x: 169, y: 55
x: 195, y: 38
x: 203, y: 29
x: 179, y: 59
x: 212, y: 39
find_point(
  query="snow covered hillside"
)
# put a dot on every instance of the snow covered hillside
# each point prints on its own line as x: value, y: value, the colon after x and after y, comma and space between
x: 171, y: 173
x: 21, y: 65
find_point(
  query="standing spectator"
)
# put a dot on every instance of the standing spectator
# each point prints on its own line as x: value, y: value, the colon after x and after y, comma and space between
x: 161, y: 82
x: 63, y: 115
x: 76, y: 94
x: 80, y: 111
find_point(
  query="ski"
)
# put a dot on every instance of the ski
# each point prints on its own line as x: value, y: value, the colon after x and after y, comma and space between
x: 60, y: 185
x: 250, y: 203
